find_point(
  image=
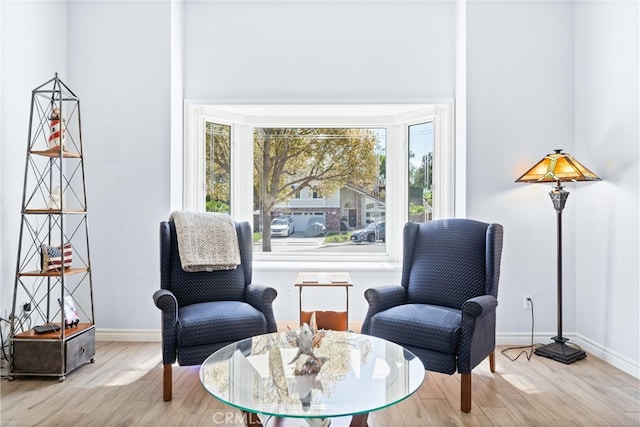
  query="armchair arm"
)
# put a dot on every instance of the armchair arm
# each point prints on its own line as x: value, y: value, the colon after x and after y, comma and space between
x: 380, y: 299
x: 478, y: 331
x: 166, y: 301
x: 261, y: 297
x: 478, y: 305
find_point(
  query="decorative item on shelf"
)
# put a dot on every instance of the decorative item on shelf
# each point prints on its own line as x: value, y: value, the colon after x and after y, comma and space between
x: 68, y: 306
x: 55, y: 257
x: 57, y: 125
x: 46, y: 328
x: 55, y: 199
x: 559, y: 167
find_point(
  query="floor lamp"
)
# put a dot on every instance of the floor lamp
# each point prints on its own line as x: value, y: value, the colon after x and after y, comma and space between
x: 559, y: 167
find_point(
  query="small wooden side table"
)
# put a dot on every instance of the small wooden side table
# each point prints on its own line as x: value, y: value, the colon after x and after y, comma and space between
x: 337, y: 320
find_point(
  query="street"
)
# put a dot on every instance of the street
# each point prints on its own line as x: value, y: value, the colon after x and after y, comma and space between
x: 298, y: 242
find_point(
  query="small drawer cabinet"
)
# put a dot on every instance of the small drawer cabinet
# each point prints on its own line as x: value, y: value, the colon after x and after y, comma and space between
x: 46, y: 354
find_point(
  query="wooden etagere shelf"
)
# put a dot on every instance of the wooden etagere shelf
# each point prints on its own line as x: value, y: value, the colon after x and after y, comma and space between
x: 56, y: 335
x: 47, y: 211
x: 53, y: 283
x: 55, y: 273
x: 56, y: 153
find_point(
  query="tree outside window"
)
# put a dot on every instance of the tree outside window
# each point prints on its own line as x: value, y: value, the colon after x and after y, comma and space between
x: 320, y: 162
x: 218, y: 167
x: 421, y: 172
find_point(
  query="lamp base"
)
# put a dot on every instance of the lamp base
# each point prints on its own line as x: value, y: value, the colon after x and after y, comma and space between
x: 560, y: 351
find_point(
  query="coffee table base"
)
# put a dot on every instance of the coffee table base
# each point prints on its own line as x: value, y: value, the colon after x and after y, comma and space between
x: 256, y: 420
x: 359, y: 420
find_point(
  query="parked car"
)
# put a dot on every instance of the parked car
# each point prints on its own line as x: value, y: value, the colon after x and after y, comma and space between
x: 315, y: 226
x: 372, y: 232
x: 315, y: 229
x: 282, y: 226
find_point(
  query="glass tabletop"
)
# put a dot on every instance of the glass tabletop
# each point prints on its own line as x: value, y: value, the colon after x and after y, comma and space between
x: 344, y: 374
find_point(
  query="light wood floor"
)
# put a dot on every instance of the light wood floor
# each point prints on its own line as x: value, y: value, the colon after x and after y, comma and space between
x: 124, y: 388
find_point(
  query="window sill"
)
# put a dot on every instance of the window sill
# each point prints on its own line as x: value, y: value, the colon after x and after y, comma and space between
x: 321, y: 266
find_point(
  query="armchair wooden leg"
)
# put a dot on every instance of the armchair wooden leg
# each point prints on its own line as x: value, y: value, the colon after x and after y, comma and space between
x: 492, y: 361
x: 167, y: 382
x: 465, y: 393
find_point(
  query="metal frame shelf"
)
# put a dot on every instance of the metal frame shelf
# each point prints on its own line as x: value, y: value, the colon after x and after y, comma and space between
x: 54, y: 214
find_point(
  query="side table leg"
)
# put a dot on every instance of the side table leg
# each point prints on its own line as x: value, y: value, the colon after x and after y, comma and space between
x: 359, y: 420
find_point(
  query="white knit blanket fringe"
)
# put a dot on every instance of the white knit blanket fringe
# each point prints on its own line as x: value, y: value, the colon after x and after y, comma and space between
x: 207, y: 241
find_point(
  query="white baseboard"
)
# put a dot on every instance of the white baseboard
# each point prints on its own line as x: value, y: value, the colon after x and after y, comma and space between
x: 613, y: 358
x: 129, y: 335
x: 518, y: 338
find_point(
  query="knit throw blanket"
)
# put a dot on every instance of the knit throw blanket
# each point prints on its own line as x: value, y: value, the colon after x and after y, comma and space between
x: 206, y: 241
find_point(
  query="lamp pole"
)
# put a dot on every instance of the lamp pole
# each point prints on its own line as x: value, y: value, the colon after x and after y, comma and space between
x: 559, y: 198
x: 559, y: 350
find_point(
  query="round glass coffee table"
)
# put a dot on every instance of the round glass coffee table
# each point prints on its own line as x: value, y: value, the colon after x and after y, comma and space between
x: 276, y: 376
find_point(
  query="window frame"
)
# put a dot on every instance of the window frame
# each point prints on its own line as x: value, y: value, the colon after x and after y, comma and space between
x: 395, y: 118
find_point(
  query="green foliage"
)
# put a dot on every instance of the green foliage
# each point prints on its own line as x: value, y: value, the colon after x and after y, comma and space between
x: 428, y: 196
x: 415, y: 209
x: 382, y: 159
x: 288, y: 160
x: 421, y: 177
x: 217, y: 206
x: 218, y: 170
x: 337, y: 238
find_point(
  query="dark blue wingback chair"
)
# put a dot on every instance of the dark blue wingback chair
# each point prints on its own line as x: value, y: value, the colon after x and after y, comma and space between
x: 204, y: 311
x: 444, y: 310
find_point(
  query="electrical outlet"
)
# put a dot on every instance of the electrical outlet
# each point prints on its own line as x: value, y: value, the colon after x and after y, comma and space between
x: 526, y: 301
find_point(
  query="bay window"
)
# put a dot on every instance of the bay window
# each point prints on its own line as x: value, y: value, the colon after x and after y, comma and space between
x: 320, y: 182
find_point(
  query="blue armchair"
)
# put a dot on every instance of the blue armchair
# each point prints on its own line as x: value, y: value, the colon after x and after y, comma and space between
x: 444, y: 310
x: 204, y: 311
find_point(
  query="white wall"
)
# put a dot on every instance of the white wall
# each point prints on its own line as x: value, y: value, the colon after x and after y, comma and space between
x: 319, y: 50
x: 546, y: 75
x: 523, y: 91
x: 119, y: 66
x: 33, y: 37
x: 607, y: 139
x: 520, y: 107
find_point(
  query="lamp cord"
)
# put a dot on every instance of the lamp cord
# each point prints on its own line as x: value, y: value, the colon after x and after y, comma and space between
x: 530, y: 347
